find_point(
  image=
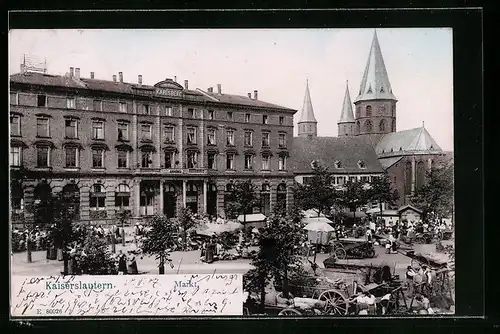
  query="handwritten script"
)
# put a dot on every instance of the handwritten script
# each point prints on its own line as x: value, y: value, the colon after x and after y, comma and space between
x: 128, y: 295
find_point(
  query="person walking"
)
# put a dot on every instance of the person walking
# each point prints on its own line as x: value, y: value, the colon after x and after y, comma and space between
x: 410, y: 281
x: 122, y: 263
x: 132, y: 264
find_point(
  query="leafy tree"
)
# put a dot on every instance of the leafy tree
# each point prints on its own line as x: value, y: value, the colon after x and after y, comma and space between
x: 186, y: 222
x: 241, y: 199
x: 97, y: 260
x: 435, y: 197
x: 276, y: 258
x: 159, y: 240
x: 318, y: 193
x: 381, y: 191
x: 64, y: 210
x: 353, y: 196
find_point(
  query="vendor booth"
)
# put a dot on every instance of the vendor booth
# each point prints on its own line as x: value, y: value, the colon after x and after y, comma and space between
x: 254, y: 220
x: 319, y: 230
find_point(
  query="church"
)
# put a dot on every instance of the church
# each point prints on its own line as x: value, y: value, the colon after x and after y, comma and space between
x: 368, y: 143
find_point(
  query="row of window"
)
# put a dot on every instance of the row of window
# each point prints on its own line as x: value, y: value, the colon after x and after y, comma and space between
x: 146, y: 132
x: 146, y: 109
x: 340, y: 180
x: 382, y: 126
x: 72, y: 158
x: 381, y: 110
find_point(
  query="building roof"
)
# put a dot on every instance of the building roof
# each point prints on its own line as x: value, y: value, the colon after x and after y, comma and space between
x: 243, y: 100
x: 349, y: 151
x: 388, y: 162
x: 307, y: 114
x: 375, y: 83
x: 409, y: 207
x: 347, y: 116
x: 407, y: 142
x: 130, y: 88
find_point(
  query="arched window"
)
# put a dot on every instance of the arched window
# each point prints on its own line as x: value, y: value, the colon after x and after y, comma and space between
x: 265, y: 187
x: 368, y: 111
x: 408, y: 176
x: 382, y: 125
x: 420, y: 174
x: 393, y: 125
x: 122, y: 196
x: 97, y: 199
x: 169, y: 188
x: 368, y: 126
x: 42, y: 192
x: 358, y: 127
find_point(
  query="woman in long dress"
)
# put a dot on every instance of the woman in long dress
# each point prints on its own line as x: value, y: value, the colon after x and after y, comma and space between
x: 132, y: 264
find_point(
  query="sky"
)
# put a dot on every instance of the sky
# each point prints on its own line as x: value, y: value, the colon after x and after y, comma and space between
x: 276, y: 62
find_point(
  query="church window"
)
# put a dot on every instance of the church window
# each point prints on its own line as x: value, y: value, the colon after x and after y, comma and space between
x: 368, y: 126
x: 358, y: 128
x: 408, y: 176
x: 420, y: 174
x: 381, y: 110
x: 382, y: 125
x: 368, y: 111
x: 358, y: 111
x: 393, y: 110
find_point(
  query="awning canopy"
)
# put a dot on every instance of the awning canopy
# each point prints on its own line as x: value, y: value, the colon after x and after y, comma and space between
x: 252, y: 218
x: 318, y: 224
x: 311, y: 213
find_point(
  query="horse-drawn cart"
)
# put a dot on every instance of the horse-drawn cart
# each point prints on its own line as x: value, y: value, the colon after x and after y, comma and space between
x: 344, y: 248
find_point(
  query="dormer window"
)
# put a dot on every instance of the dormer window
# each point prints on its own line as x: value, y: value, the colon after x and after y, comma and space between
x: 361, y: 164
x: 382, y: 89
x: 314, y: 164
x: 338, y: 164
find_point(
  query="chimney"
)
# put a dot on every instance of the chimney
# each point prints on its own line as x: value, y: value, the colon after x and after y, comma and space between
x: 219, y: 88
x: 255, y: 94
x: 120, y: 75
x: 91, y: 75
x: 175, y: 78
x: 71, y: 72
x: 77, y: 73
x: 210, y: 89
x: 139, y: 79
x: 249, y: 95
x: 186, y: 84
x: 114, y: 77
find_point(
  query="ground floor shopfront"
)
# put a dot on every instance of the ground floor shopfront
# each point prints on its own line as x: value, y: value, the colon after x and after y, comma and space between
x: 98, y: 199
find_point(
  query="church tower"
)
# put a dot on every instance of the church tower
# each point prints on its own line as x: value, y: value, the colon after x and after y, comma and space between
x: 346, y: 123
x: 375, y: 103
x: 308, y: 126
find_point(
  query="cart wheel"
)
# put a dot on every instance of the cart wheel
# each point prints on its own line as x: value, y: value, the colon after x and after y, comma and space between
x: 370, y: 254
x: 336, y: 303
x: 340, y: 253
x: 289, y: 312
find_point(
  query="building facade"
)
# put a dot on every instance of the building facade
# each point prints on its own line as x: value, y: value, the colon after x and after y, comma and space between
x: 150, y: 149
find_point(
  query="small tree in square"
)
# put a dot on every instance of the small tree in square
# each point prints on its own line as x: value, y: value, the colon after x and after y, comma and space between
x: 241, y: 199
x: 318, y: 193
x: 186, y: 222
x: 353, y: 196
x: 381, y: 191
x: 97, y: 260
x: 159, y: 240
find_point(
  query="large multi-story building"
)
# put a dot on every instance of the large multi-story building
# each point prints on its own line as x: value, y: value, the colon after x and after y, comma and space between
x: 150, y: 149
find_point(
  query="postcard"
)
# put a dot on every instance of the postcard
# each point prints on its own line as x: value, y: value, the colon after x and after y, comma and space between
x: 231, y: 172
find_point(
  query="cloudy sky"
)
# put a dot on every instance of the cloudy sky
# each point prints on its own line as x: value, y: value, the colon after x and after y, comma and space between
x: 274, y: 62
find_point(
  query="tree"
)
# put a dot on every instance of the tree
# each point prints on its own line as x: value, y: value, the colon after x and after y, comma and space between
x: 97, y: 259
x: 159, y: 240
x: 381, y: 191
x: 318, y: 193
x: 435, y: 197
x: 353, y: 196
x: 186, y: 222
x: 276, y: 258
x: 64, y: 210
x: 241, y: 199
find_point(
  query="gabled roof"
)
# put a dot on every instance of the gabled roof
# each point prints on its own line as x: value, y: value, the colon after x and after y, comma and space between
x: 349, y: 151
x: 347, y: 116
x: 412, y: 141
x: 409, y: 207
x: 375, y: 83
x: 242, y: 100
x: 307, y: 114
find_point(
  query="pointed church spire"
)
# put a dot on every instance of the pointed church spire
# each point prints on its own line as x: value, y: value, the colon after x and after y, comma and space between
x: 375, y: 83
x: 307, y: 114
x: 347, y: 115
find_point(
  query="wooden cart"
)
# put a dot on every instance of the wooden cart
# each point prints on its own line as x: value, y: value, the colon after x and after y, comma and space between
x: 352, y: 248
